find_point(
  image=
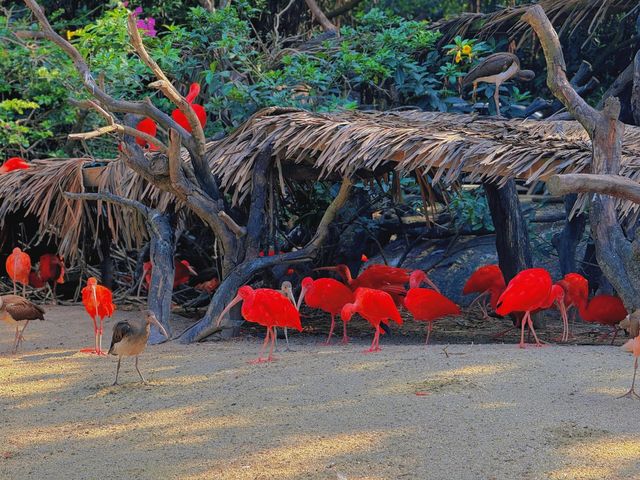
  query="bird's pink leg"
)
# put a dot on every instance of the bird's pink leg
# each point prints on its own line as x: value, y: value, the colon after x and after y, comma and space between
x: 345, y: 338
x: 271, y: 358
x: 375, y: 344
x: 615, y: 334
x: 522, y: 322
x: 483, y: 304
x: 14, y: 286
x: 333, y: 324
x: 264, y: 345
x: 16, y: 340
x: 632, y: 391
x: 532, y: 330
x: 429, y: 327
x: 95, y: 339
x: 100, y: 352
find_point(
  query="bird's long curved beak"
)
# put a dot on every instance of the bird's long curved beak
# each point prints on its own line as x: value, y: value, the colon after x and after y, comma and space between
x: 234, y: 302
x: 192, y: 270
x: 155, y: 321
x: 431, y: 284
x: 303, y: 292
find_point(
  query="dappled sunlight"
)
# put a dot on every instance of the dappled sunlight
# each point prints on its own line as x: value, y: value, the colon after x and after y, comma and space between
x: 604, y: 457
x: 478, y: 370
x: 365, y: 366
x: 302, y: 455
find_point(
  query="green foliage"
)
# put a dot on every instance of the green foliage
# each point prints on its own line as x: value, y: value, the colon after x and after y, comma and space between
x: 469, y: 209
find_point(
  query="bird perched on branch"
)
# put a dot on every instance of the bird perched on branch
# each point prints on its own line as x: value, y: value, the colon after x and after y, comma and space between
x: 14, y: 309
x: 12, y: 164
x: 18, y: 267
x: 130, y: 339
x: 496, y: 69
x: 181, y: 118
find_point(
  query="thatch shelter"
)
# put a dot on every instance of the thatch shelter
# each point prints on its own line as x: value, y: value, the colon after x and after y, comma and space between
x: 314, y: 146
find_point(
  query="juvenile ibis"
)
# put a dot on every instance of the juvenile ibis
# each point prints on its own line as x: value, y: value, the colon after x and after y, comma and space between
x: 267, y: 307
x: 633, y: 346
x: 98, y: 302
x: 130, y: 338
x: 497, y: 69
x: 427, y: 305
x: 12, y: 164
x: 18, y: 267
x: 330, y: 296
x: 15, y: 309
x: 376, y: 307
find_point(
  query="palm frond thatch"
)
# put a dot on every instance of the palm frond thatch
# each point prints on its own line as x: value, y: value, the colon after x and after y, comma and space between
x: 487, y: 149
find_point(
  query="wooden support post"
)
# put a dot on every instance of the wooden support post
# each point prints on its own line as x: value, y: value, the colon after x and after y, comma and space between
x: 566, y: 242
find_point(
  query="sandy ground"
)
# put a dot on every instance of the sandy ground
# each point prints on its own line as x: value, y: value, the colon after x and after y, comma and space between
x: 467, y: 412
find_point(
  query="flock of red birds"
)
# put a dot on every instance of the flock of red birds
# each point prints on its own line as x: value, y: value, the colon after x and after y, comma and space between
x: 50, y: 270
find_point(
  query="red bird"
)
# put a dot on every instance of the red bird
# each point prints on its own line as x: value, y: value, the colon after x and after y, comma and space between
x: 330, y: 296
x: 266, y: 307
x: 182, y: 272
x: 52, y: 271
x: 633, y: 346
x: 209, y: 286
x: 575, y: 287
x: 364, y: 258
x: 605, y: 310
x: 98, y: 302
x: 149, y: 127
x: 181, y: 119
x: 530, y: 290
x: 35, y: 281
x: 18, y: 267
x: 376, y: 307
x: 12, y: 164
x: 427, y: 305
x: 487, y: 281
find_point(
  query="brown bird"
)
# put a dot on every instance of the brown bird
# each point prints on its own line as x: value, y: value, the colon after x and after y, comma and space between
x: 497, y: 69
x: 130, y: 338
x: 14, y: 309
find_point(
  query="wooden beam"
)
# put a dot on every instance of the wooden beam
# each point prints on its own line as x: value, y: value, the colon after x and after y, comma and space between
x: 613, y: 185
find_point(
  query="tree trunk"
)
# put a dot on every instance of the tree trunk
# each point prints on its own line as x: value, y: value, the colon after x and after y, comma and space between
x: 159, y: 296
x: 566, y: 242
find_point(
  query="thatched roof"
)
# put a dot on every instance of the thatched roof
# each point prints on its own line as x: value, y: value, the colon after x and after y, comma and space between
x: 326, y: 145
x: 447, y: 144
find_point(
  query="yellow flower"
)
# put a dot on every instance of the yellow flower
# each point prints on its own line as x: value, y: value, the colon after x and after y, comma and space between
x: 74, y: 33
x: 458, y: 57
x: 466, y: 49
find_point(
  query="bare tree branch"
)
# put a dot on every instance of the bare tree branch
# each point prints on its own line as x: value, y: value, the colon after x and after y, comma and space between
x: 614, y: 185
x: 320, y: 17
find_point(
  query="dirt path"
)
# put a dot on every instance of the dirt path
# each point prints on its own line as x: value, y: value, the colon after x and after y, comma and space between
x: 483, y: 412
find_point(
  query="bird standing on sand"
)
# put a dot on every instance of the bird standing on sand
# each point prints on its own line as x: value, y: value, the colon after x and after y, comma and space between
x: 98, y: 302
x: 487, y: 281
x: 376, y: 307
x: 130, y: 338
x: 266, y: 307
x: 18, y: 267
x: 633, y: 346
x: 528, y: 291
x: 52, y: 272
x: 328, y: 295
x: 427, y: 305
x: 497, y: 69
x: 14, y: 309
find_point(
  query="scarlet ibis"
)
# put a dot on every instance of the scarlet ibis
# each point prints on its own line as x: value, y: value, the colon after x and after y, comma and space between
x: 530, y: 290
x: 376, y: 307
x: 52, y: 271
x: 266, y: 307
x: 12, y: 164
x: 427, y: 305
x: 633, y: 346
x: 575, y: 287
x: 35, y: 281
x: 14, y: 309
x: 149, y: 127
x: 18, y: 267
x: 605, y: 310
x: 209, y: 286
x: 364, y: 258
x: 181, y: 119
x: 98, y: 302
x: 487, y: 281
x: 130, y: 339
x: 182, y: 272
x: 330, y: 296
